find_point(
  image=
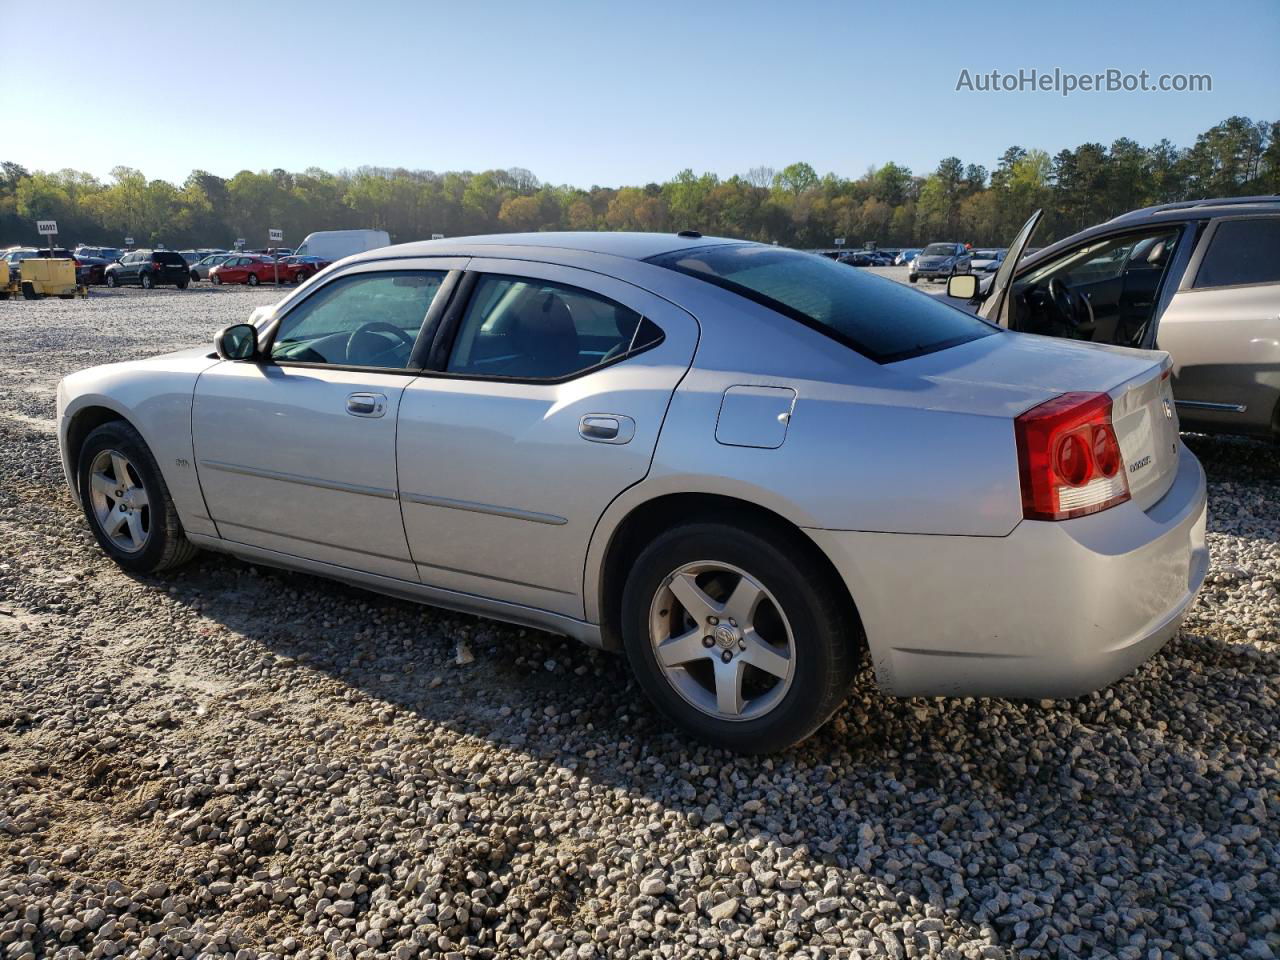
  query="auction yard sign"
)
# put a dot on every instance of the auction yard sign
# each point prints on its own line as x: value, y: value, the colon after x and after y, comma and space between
x: 47, y: 228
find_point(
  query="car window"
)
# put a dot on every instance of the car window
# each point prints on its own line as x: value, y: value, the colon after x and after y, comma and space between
x: 365, y: 319
x: 535, y: 329
x: 1242, y: 251
x: 1107, y: 259
x: 883, y: 320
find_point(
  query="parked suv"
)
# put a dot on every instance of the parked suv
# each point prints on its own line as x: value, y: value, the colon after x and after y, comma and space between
x: 150, y: 268
x: 1200, y: 279
x: 940, y: 261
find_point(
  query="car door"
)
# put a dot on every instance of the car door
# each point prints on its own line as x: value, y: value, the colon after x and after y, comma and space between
x: 549, y: 388
x: 1222, y: 328
x: 296, y: 450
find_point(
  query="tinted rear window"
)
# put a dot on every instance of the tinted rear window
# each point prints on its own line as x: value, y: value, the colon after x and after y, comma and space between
x: 1243, y: 251
x: 168, y: 256
x: 879, y: 318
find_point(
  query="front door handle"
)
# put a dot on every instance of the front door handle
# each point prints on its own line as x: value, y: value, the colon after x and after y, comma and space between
x: 366, y: 405
x: 606, y: 428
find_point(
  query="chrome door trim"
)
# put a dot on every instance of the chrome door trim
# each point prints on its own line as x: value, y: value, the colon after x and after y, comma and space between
x: 1208, y: 405
x: 515, y: 513
x: 588, y: 633
x: 379, y: 492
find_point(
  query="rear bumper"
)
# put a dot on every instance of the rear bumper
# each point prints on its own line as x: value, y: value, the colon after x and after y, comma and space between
x: 1051, y: 610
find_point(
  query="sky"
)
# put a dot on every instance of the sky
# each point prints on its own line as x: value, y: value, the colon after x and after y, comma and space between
x: 612, y: 93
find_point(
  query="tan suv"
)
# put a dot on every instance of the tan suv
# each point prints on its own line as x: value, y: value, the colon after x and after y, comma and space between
x: 1200, y: 279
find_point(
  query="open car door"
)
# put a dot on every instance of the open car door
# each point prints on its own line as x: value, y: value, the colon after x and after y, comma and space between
x: 993, y: 305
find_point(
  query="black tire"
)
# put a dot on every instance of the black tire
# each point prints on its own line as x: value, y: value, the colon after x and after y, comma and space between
x: 166, y: 545
x: 111, y: 281
x: 913, y: 278
x: 252, y: 280
x: 195, y: 277
x: 183, y: 284
x: 66, y: 296
x: 29, y: 292
x: 215, y: 279
x: 145, y: 281
x: 826, y: 635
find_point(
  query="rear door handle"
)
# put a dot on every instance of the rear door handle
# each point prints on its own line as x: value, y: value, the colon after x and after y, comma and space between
x: 606, y: 428
x: 366, y: 404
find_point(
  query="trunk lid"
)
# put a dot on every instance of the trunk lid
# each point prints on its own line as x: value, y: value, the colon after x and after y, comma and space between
x: 1008, y: 373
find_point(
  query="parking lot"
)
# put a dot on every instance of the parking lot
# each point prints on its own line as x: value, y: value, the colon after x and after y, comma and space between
x: 239, y: 761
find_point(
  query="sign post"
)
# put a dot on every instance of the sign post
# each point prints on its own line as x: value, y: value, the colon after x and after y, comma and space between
x: 276, y: 236
x: 48, y: 228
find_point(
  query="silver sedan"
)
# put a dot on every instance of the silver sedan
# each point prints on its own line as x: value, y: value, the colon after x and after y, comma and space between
x: 746, y: 467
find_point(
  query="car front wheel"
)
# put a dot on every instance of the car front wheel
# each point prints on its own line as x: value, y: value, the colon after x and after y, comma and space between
x: 252, y: 280
x: 146, y: 281
x: 742, y: 640
x: 127, y: 502
x: 111, y: 280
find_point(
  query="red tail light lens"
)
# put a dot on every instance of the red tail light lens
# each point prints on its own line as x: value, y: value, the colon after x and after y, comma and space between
x: 1069, y: 458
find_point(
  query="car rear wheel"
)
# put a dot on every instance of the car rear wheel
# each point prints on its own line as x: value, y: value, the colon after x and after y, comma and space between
x: 127, y: 502
x: 194, y: 275
x: 913, y: 278
x: 182, y: 284
x: 740, y: 642
x: 252, y: 280
x: 146, y: 281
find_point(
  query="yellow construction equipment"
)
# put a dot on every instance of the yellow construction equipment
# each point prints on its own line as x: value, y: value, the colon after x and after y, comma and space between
x: 7, y: 287
x: 49, y: 277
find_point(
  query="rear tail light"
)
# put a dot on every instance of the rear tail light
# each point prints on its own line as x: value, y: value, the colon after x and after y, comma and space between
x: 1069, y: 458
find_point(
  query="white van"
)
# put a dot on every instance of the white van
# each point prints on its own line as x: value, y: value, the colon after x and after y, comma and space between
x: 333, y: 245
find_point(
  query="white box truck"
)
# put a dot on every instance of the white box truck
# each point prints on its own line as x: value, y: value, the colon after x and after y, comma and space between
x: 333, y: 245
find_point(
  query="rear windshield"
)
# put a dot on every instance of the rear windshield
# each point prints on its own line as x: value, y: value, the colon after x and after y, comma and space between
x: 168, y: 256
x: 881, y: 319
x: 939, y: 250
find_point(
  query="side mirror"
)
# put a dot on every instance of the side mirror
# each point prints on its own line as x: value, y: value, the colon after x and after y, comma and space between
x: 237, y: 342
x: 963, y: 285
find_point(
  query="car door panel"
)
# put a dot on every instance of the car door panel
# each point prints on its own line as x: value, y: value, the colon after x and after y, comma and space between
x: 285, y: 465
x: 502, y: 482
x: 1225, y: 345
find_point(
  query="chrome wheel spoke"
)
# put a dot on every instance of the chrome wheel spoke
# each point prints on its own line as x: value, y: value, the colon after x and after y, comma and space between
x: 136, y: 533
x: 113, y: 521
x: 139, y: 499
x: 729, y: 687
x: 692, y: 597
x: 764, y: 657
x: 120, y: 466
x: 101, y: 483
x: 742, y: 602
x: 683, y: 649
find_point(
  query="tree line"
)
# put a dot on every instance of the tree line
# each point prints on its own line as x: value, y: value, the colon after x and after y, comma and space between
x: 794, y: 206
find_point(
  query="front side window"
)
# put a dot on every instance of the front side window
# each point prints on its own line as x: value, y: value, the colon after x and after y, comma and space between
x: 537, y: 330
x: 883, y: 320
x: 1241, y: 252
x: 362, y: 320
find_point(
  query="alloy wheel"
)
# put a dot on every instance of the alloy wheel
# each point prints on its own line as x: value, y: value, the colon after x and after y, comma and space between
x: 722, y: 641
x: 120, y: 502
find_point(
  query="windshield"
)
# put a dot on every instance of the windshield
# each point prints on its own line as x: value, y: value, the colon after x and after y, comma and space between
x: 878, y: 318
x: 939, y: 250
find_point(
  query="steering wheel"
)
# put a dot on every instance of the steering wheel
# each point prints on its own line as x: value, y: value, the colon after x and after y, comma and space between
x: 1065, y: 301
x: 364, y: 338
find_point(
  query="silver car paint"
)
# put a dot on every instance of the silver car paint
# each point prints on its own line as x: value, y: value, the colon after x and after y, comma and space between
x: 920, y: 451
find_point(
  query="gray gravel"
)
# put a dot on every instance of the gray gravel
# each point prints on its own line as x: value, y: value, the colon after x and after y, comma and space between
x: 238, y: 762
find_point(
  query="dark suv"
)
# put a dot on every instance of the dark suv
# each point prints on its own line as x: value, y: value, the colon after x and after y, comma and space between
x: 150, y: 268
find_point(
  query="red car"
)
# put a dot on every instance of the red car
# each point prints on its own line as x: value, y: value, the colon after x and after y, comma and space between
x: 247, y: 268
x: 301, y: 268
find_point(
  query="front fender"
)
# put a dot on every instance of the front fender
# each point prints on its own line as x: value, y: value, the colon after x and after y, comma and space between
x: 155, y: 397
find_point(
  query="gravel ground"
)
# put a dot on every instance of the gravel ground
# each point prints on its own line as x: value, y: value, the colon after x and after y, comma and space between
x: 234, y: 761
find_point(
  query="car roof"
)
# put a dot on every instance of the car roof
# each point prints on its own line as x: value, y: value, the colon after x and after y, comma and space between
x: 1199, y: 209
x: 631, y: 246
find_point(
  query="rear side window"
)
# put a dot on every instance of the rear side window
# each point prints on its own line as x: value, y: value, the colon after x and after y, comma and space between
x: 878, y: 318
x: 529, y: 329
x: 1242, y: 251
